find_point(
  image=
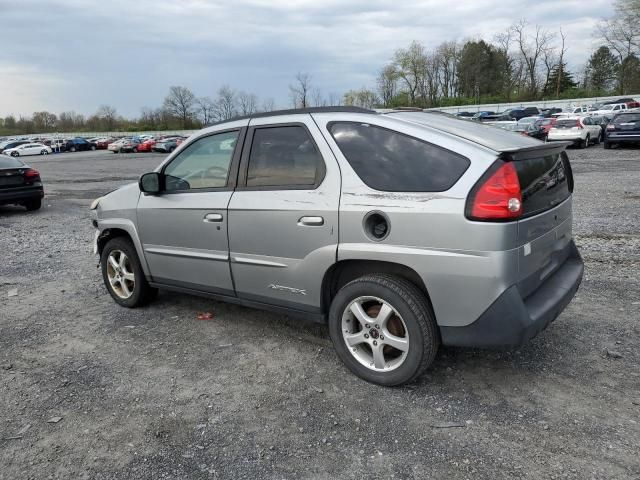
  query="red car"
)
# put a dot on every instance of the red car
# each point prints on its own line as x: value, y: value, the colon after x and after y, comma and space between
x: 147, y: 145
x: 546, y: 124
x: 103, y: 143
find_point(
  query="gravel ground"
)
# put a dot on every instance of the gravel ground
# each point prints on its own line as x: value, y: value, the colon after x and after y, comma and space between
x: 156, y: 393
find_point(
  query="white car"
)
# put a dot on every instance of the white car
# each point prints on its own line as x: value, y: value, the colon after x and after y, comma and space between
x: 582, y: 131
x: 28, y: 149
x: 611, y: 109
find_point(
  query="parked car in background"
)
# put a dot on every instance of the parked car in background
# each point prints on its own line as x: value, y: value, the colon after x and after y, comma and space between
x: 610, y: 109
x: 623, y: 128
x: 11, y: 144
x: 103, y: 143
x: 547, y: 112
x: 27, y: 149
x: 464, y: 114
x: 78, y: 144
x: 546, y: 124
x: 518, y: 113
x: 482, y: 115
x: 352, y: 232
x: 130, y: 145
x: 166, y: 146
x: 19, y: 184
x: 579, y: 130
x: 147, y: 145
x: 116, y: 146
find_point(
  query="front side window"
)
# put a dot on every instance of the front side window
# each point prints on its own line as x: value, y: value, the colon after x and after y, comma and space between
x: 284, y: 156
x: 390, y: 161
x: 202, y: 164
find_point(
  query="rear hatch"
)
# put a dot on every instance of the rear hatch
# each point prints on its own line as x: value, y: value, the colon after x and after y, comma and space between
x: 627, y: 124
x: 544, y: 230
x: 11, y: 172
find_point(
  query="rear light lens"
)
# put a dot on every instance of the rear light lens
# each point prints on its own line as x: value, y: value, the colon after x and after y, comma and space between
x: 578, y: 124
x: 497, y: 195
x: 31, y: 175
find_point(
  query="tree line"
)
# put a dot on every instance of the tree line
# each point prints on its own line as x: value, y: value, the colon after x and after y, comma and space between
x: 523, y: 63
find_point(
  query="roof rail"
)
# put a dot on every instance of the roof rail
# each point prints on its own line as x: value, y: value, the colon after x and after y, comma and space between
x: 295, y: 111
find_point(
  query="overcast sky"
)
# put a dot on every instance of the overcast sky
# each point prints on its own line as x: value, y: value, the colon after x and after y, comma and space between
x: 62, y: 55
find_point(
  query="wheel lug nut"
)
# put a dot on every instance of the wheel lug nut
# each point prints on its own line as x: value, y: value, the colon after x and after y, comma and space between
x: 367, y: 326
x: 381, y: 337
x: 377, y: 326
x: 366, y: 335
x: 375, y: 343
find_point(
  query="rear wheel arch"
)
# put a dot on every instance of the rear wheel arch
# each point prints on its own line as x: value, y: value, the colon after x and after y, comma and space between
x: 344, y: 271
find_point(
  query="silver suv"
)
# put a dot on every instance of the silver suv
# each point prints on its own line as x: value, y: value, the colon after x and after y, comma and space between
x: 402, y: 230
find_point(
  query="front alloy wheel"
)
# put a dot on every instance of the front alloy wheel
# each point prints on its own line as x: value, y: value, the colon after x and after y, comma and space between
x: 120, y: 274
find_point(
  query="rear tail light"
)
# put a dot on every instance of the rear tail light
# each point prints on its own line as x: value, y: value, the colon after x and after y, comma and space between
x: 31, y: 175
x: 497, y: 195
x: 578, y: 124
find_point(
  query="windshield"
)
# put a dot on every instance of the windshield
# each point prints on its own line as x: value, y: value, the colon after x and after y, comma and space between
x: 567, y: 123
x: 607, y: 107
x: 633, y: 118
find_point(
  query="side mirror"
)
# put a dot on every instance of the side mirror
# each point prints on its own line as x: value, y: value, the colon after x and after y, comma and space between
x: 151, y: 183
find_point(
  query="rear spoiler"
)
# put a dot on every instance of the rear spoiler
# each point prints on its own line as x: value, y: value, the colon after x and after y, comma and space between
x: 549, y: 148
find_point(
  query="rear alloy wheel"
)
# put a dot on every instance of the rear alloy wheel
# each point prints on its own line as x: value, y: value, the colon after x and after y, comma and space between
x: 585, y: 142
x: 15, y: 154
x: 72, y: 149
x: 135, y: 150
x: 383, y: 329
x: 123, y: 275
x: 93, y: 147
x: 44, y: 152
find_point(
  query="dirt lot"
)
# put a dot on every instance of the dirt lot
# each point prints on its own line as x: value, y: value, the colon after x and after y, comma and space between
x: 156, y: 393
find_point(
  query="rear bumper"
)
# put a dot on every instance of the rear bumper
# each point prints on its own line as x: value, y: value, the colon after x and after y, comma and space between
x: 513, y: 320
x: 623, y: 139
x: 20, y: 195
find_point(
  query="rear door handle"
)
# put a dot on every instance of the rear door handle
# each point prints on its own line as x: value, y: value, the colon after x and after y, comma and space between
x: 212, y: 217
x: 311, y: 221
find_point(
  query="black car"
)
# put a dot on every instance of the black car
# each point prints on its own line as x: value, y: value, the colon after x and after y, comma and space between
x: 547, y: 112
x: 19, y: 184
x: 518, y: 113
x: 77, y: 145
x: 12, y: 144
x: 624, y: 128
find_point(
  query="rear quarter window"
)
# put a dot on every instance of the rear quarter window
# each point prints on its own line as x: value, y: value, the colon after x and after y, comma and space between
x: 394, y: 162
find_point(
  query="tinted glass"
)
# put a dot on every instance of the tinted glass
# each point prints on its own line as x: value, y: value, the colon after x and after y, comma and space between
x: 283, y: 156
x: 566, y: 123
x: 389, y: 161
x: 545, y: 182
x: 203, y: 164
x: 629, y: 118
x: 10, y: 162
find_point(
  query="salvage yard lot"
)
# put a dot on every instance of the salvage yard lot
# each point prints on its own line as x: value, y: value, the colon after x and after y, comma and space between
x: 157, y: 393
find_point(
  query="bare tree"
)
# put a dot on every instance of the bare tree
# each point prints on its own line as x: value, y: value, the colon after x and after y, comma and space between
x: 531, y: 50
x: 448, y: 54
x: 334, y: 100
x: 206, y: 109
x: 364, y: 98
x: 317, y: 98
x: 300, y: 90
x: 180, y: 102
x: 108, y: 115
x: 247, y: 103
x: 225, y: 105
x: 387, y: 84
x: 563, y: 50
x: 268, y: 105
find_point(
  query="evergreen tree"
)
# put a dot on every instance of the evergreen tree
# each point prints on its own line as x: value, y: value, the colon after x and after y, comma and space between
x: 630, y: 74
x: 560, y: 80
x: 602, y: 69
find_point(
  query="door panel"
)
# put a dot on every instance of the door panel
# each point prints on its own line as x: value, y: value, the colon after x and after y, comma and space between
x: 283, y: 239
x: 184, y: 229
x: 183, y: 248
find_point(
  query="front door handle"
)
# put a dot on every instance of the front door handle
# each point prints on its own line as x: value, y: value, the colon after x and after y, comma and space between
x: 311, y: 221
x: 212, y: 217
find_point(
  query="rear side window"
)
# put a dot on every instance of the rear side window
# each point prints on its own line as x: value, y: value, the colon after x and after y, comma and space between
x: 393, y: 162
x: 10, y: 162
x: 284, y: 157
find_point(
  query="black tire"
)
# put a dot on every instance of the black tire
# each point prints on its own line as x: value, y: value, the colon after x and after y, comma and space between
x: 585, y: 143
x: 172, y: 149
x: 412, y: 305
x: 134, y: 150
x: 33, y: 205
x: 72, y: 149
x: 143, y: 293
x: 607, y: 145
x: 597, y: 142
x: 44, y: 152
x: 15, y: 154
x: 93, y: 147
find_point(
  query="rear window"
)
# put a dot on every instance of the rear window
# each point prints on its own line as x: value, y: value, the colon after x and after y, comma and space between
x: 393, y: 162
x: 545, y: 181
x: 10, y: 162
x: 566, y: 123
x: 630, y: 118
